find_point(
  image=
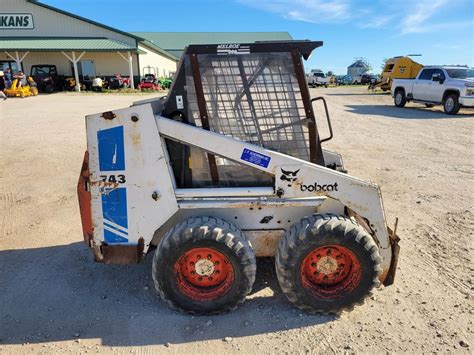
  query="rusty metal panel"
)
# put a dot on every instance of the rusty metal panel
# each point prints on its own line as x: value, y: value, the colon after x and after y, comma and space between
x: 122, y: 254
x: 265, y: 242
x: 84, y: 196
x: 394, y: 239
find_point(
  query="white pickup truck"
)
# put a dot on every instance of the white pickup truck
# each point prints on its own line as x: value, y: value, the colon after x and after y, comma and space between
x: 452, y: 87
x: 317, y: 78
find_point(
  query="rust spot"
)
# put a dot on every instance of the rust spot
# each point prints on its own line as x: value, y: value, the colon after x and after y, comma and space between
x: 84, y: 196
x: 101, y: 183
x: 109, y: 115
x: 136, y: 138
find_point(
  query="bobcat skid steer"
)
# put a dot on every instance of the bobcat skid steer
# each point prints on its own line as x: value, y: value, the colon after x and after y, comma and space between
x: 229, y: 167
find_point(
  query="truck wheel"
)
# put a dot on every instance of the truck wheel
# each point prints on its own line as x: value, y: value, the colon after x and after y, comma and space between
x: 49, y: 89
x: 451, y: 104
x: 204, y: 265
x: 327, y: 264
x: 400, y: 100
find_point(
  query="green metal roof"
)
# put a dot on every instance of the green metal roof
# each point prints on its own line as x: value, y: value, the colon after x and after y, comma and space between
x: 174, y: 42
x: 64, y: 43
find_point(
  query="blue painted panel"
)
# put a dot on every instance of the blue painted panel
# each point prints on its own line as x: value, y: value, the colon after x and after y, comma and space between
x: 114, y: 209
x: 114, y: 227
x: 111, y: 238
x: 255, y: 158
x: 111, y: 149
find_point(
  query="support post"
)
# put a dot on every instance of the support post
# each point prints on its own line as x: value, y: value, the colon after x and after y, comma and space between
x: 17, y: 58
x: 76, y: 72
x: 129, y: 60
x: 74, y: 62
x: 130, y: 69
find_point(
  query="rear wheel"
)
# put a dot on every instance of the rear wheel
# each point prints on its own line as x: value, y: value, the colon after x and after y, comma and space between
x: 327, y: 264
x: 451, y: 104
x: 400, y: 100
x: 204, y: 265
x: 49, y: 89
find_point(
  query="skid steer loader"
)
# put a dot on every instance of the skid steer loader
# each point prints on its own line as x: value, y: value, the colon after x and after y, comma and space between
x: 229, y: 167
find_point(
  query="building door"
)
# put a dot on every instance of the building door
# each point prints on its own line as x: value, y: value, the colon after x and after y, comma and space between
x: 86, y: 68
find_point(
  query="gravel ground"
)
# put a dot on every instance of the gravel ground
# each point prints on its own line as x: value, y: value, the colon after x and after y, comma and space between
x: 54, y: 298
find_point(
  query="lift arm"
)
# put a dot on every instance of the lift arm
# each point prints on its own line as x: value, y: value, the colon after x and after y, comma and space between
x: 293, y: 177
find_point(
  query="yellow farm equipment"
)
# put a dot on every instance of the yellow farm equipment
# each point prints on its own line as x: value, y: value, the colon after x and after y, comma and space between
x: 22, y: 91
x: 396, y: 68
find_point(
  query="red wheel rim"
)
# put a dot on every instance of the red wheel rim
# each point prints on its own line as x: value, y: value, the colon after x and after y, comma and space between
x: 204, y: 274
x: 330, y: 271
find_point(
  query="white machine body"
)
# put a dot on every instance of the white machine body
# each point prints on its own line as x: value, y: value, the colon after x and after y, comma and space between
x: 134, y: 195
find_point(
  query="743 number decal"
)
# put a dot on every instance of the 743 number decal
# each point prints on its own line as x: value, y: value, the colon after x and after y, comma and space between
x: 116, y: 179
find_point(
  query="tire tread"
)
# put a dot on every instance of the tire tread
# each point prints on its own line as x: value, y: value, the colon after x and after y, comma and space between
x: 297, y: 236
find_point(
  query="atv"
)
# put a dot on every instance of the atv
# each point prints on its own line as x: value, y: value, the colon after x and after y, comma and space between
x: 47, y: 78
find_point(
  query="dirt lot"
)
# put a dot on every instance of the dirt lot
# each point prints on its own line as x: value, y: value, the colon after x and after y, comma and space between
x: 54, y: 298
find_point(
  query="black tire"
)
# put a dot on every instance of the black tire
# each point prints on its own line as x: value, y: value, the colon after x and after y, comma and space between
x: 212, y: 234
x: 327, y: 232
x: 451, y: 104
x: 399, y: 98
x: 429, y: 105
x: 49, y: 89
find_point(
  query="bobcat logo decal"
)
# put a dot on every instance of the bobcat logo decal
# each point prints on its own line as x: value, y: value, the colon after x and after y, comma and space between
x: 289, y: 176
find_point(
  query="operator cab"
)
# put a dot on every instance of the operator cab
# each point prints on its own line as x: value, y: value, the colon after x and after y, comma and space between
x: 255, y: 92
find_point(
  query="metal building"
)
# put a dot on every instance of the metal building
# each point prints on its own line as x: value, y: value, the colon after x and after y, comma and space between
x: 35, y: 33
x: 358, y: 68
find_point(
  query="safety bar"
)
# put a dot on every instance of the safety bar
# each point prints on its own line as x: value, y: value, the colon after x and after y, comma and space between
x: 327, y: 117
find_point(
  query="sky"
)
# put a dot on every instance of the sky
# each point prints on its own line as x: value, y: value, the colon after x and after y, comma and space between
x: 442, y: 31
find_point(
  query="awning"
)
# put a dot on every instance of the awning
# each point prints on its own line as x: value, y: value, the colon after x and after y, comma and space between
x: 40, y: 44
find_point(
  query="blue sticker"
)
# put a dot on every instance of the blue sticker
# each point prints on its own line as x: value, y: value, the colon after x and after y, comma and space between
x: 114, y: 214
x: 255, y: 158
x: 111, y: 149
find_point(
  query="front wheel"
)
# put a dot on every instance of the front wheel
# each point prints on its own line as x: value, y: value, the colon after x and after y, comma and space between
x: 327, y: 264
x: 400, y: 99
x: 204, y: 265
x: 451, y: 104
